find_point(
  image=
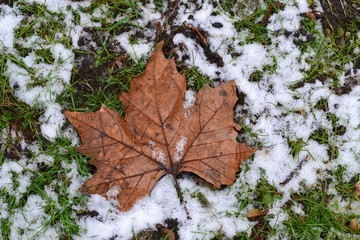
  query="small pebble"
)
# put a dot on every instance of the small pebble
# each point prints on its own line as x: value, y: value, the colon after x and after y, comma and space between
x: 217, y: 25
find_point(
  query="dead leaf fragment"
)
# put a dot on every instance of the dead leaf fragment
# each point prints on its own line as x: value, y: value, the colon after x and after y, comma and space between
x: 256, y: 214
x: 311, y: 15
x: 354, y: 225
x: 357, y: 190
x: 197, y: 31
x: 341, y: 41
x: 158, y: 136
x: 14, y: 151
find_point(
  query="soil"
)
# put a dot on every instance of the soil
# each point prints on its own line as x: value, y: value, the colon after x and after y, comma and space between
x: 194, y: 33
x: 170, y: 224
x: 340, y: 15
x: 86, y: 75
x: 7, y: 2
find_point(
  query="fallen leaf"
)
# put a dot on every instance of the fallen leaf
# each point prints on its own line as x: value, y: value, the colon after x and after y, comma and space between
x: 357, y: 190
x: 197, y: 31
x: 256, y: 214
x: 158, y: 136
x: 341, y: 41
x: 311, y: 15
x: 354, y: 225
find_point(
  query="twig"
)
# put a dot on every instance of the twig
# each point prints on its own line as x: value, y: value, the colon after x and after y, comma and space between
x: 295, y: 171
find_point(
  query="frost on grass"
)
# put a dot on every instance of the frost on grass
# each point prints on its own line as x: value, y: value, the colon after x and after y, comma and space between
x: 28, y: 218
x: 34, y: 213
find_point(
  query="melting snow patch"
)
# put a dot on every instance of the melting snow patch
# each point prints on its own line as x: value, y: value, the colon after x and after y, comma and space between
x: 179, y: 148
x: 190, y: 98
x: 135, y: 50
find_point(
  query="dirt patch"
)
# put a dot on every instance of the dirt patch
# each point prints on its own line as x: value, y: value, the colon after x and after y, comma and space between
x: 86, y: 77
x: 350, y: 83
x: 341, y: 17
x: 338, y: 14
x: 89, y: 74
x: 6, y: 2
x: 162, y: 232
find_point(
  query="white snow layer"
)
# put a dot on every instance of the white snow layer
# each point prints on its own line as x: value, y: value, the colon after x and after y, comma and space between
x: 9, y: 19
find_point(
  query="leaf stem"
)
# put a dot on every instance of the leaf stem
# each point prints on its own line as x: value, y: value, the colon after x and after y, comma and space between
x: 178, y: 190
x: 181, y: 197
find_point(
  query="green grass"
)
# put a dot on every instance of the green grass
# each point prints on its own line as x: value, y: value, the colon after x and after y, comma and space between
x: 88, y: 95
x: 195, y: 79
x: 334, y: 56
x: 49, y: 176
x: 14, y: 112
x: 320, y: 220
x: 324, y: 218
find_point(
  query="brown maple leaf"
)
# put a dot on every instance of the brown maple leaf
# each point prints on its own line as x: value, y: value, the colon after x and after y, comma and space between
x: 159, y: 136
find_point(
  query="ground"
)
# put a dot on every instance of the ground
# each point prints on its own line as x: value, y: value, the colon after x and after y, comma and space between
x: 297, y: 68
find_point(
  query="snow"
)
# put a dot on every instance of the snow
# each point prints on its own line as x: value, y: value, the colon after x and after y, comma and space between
x: 164, y: 202
x: 270, y: 112
x: 9, y: 19
x: 287, y: 19
x: 190, y: 98
x: 179, y: 148
x: 302, y: 6
x: 136, y: 50
x: 346, y: 107
x: 157, y: 153
x: 58, y: 6
x: 56, y: 76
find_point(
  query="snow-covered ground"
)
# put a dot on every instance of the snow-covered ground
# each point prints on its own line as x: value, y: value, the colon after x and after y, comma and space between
x: 272, y: 109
